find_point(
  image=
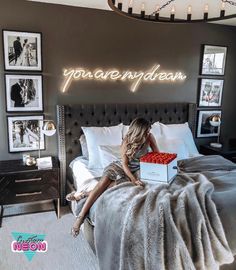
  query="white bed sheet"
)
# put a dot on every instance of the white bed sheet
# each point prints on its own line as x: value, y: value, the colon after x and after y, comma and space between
x: 84, y: 178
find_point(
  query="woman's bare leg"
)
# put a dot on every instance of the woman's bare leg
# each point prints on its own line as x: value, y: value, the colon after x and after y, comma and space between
x: 101, y: 186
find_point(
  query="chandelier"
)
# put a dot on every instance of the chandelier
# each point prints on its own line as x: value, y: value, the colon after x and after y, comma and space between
x: 174, y: 11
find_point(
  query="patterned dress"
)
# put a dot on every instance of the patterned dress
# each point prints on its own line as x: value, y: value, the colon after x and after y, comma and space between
x: 115, y: 172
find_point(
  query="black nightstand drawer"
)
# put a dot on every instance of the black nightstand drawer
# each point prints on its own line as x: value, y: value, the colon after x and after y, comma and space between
x: 30, y: 186
x: 35, y: 178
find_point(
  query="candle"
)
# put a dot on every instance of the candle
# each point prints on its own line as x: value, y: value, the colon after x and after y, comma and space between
x: 172, y: 13
x: 157, y: 12
x: 189, y: 13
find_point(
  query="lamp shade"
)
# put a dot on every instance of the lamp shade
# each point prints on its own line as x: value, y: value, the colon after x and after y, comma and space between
x: 49, y: 128
x: 215, y: 120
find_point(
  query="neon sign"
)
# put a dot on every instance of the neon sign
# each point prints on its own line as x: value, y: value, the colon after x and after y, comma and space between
x: 135, y: 77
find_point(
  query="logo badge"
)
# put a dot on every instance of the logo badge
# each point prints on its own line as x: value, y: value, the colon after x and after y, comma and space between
x: 29, y: 244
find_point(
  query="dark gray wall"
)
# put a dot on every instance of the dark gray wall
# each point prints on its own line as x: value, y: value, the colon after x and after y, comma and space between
x: 94, y: 38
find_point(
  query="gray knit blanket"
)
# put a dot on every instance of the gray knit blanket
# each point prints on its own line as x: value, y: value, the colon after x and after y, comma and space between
x: 164, y: 226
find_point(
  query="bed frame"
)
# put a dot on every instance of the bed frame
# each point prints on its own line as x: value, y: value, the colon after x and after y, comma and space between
x: 70, y: 119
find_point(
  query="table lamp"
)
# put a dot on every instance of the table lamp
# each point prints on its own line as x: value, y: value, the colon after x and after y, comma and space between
x: 215, y: 121
x: 48, y: 129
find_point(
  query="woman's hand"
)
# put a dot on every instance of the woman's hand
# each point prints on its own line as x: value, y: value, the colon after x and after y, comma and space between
x: 138, y: 182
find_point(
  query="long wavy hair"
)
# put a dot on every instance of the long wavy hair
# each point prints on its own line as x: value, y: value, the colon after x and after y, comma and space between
x: 136, y: 136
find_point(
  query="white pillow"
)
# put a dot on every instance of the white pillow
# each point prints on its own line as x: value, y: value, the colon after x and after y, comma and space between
x: 125, y: 130
x: 156, y: 130
x: 183, y: 132
x: 96, y: 136
x: 84, y: 147
x: 176, y: 146
x: 109, y: 154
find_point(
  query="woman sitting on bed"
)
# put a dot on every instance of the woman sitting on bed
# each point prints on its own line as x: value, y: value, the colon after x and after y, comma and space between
x: 135, y: 144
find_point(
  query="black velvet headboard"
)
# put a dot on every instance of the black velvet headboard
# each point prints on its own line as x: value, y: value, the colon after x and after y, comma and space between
x: 71, y: 117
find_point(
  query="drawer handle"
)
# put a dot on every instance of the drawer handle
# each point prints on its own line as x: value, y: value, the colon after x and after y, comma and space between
x: 28, y: 194
x: 28, y: 180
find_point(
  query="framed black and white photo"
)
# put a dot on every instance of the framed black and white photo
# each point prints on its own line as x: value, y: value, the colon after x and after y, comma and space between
x: 24, y: 133
x: 23, y: 93
x: 210, y: 92
x: 213, y: 61
x: 206, y: 127
x: 22, y: 51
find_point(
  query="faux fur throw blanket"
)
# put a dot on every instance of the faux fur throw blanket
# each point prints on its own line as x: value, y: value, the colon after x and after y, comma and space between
x: 160, y: 227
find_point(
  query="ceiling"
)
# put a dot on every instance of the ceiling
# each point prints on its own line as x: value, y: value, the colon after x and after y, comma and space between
x: 197, y: 7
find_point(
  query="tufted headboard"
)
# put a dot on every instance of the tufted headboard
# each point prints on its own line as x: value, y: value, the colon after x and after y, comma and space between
x: 70, y: 119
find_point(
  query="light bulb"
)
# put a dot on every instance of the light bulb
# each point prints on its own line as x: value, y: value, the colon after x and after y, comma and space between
x: 206, y: 8
x: 173, y: 10
x: 142, y: 7
x: 223, y: 6
x: 189, y: 9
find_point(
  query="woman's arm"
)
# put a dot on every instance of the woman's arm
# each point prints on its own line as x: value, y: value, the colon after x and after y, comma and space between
x: 125, y: 166
x: 125, y: 162
x: 153, y: 143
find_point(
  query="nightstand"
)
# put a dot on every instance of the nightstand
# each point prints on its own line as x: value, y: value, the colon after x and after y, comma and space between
x: 225, y: 151
x: 24, y: 184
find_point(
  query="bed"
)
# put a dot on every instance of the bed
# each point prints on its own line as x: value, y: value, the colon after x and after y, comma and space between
x: 72, y: 117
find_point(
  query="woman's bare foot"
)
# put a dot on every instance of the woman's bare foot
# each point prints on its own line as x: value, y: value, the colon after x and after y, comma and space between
x: 74, y: 196
x: 76, y: 227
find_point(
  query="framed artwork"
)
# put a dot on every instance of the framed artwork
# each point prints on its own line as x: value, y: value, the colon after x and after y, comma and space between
x: 23, y: 93
x: 205, y: 126
x: 24, y: 133
x: 22, y: 51
x: 213, y: 61
x: 210, y: 92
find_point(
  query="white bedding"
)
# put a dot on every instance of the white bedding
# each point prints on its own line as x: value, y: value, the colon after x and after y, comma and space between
x: 84, y: 178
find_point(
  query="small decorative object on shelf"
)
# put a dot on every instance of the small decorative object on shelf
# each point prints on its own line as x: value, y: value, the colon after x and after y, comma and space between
x: 158, y: 167
x: 24, y: 157
x: 30, y: 161
x: 44, y: 163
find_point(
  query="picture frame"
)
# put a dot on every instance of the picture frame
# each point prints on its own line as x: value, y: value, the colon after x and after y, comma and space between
x: 22, y: 50
x: 204, y: 128
x: 213, y: 60
x: 23, y: 134
x: 210, y: 92
x: 24, y: 93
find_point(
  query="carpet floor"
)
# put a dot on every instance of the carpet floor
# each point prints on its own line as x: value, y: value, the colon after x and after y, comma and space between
x: 64, y: 251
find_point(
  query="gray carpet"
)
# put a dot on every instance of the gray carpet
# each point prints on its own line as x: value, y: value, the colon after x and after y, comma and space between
x: 64, y: 251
